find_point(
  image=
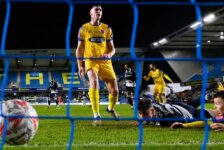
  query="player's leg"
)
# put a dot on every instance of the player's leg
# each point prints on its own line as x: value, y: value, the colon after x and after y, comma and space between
x: 156, y: 94
x: 113, y: 96
x: 107, y: 74
x: 56, y: 100
x: 94, y: 92
x: 49, y: 101
x: 94, y: 95
x: 162, y: 97
x: 161, y: 91
x: 130, y: 97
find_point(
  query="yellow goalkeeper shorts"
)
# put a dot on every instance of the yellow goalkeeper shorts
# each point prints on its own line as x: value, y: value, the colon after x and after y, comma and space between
x: 103, y: 68
x: 159, y: 89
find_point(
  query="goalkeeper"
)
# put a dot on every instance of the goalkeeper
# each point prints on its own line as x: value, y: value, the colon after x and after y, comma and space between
x: 157, y: 75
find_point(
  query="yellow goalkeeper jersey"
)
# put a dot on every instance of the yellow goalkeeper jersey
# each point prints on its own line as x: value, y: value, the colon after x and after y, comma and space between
x: 157, y: 76
x: 95, y: 39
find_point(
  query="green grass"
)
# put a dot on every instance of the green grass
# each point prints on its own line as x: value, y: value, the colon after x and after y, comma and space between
x: 121, y: 135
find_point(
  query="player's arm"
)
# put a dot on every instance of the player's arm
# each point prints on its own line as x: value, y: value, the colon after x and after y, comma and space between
x: 217, y: 126
x: 79, y: 55
x: 79, y: 52
x: 146, y: 78
x: 50, y: 86
x: 111, y: 48
x: 110, y: 44
x: 166, y: 76
x: 121, y: 78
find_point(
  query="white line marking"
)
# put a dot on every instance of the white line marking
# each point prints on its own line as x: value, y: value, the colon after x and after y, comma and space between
x: 117, y: 144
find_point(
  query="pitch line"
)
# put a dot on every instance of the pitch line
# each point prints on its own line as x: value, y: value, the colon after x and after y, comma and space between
x: 91, y: 144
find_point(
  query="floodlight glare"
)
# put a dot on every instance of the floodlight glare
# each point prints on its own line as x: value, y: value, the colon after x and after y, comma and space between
x: 195, y: 25
x: 198, y: 45
x: 209, y: 18
x: 163, y: 41
x: 222, y: 37
x: 155, y: 44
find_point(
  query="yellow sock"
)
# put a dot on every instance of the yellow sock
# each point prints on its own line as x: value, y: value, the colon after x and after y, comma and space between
x: 98, y: 101
x: 112, y: 101
x: 94, y: 97
x: 158, y: 99
x: 196, y: 124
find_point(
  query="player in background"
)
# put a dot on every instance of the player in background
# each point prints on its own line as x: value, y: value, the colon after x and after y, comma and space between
x: 53, y: 89
x: 158, y: 78
x: 95, y: 40
x: 129, y: 76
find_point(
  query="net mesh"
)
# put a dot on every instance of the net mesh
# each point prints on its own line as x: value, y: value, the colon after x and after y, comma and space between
x: 135, y: 5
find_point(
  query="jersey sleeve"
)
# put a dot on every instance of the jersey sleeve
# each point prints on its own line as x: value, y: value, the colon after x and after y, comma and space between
x: 166, y: 76
x: 109, y: 36
x: 148, y: 76
x: 81, y: 35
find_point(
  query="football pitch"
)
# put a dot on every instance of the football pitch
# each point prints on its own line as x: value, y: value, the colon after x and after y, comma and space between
x: 53, y: 134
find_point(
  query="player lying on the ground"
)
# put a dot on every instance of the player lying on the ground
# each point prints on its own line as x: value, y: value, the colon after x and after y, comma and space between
x: 173, y: 108
x: 217, y: 116
x: 176, y: 109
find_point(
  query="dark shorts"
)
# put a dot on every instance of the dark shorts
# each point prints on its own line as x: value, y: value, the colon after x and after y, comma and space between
x: 53, y: 95
x: 130, y: 89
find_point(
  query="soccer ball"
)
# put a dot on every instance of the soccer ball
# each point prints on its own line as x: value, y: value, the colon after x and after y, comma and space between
x: 21, y: 129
